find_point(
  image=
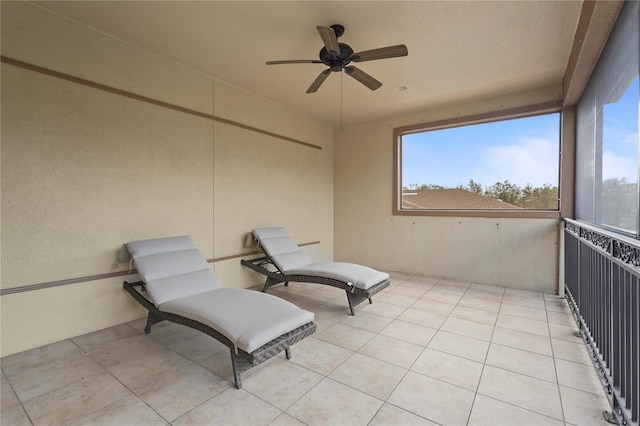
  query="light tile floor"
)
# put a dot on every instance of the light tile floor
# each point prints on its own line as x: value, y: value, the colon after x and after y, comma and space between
x: 427, y: 351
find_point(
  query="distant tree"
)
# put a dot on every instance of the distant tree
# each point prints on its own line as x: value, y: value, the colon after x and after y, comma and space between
x: 620, y: 203
x: 431, y: 186
x: 505, y: 191
x: 543, y: 197
x: 474, y: 186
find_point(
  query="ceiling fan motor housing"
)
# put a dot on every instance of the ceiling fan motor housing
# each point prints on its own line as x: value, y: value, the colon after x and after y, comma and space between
x: 339, y: 61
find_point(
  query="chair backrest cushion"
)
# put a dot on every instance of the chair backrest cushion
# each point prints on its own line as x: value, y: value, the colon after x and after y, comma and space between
x: 284, y: 252
x: 172, y: 268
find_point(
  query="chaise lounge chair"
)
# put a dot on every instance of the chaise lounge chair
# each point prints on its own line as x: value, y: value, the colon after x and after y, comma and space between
x: 178, y: 285
x: 285, y: 261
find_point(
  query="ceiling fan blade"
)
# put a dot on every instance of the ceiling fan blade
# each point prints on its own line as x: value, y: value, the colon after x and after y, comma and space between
x: 329, y: 39
x: 362, y: 77
x: 381, y: 53
x: 295, y: 61
x: 318, y: 81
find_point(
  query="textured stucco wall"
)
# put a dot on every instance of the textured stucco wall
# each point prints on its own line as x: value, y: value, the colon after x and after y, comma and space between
x: 517, y: 253
x: 84, y: 171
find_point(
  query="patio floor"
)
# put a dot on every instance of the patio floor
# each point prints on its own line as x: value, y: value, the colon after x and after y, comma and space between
x: 427, y: 351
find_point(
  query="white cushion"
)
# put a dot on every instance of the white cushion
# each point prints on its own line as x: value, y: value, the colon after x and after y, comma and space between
x: 290, y: 259
x: 276, y: 231
x: 163, y: 265
x: 358, y: 275
x: 172, y: 268
x: 284, y: 252
x: 164, y: 289
x: 179, y: 281
x: 248, y: 318
x: 160, y: 245
x: 279, y: 245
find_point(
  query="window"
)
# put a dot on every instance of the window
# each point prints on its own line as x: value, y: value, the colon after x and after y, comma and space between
x: 506, y: 167
x: 607, y: 132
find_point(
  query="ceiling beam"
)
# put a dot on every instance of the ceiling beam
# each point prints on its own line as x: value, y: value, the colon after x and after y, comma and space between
x: 596, y: 21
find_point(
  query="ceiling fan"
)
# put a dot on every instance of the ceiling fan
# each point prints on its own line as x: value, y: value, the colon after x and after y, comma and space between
x: 338, y: 56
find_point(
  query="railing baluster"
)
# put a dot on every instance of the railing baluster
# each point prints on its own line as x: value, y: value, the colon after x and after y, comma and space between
x: 634, y: 397
x: 602, y: 284
x: 626, y: 379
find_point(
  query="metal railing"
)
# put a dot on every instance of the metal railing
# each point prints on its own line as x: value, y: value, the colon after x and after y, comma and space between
x: 602, y: 286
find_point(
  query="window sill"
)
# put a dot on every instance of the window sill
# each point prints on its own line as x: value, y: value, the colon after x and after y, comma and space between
x: 524, y: 214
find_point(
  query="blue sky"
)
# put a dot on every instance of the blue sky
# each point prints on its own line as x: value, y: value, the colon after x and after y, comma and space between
x: 620, y: 136
x: 522, y: 151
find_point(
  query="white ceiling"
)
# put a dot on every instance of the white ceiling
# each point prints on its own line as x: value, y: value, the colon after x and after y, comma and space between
x: 458, y: 50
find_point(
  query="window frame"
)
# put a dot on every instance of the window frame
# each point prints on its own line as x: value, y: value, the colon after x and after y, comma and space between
x: 567, y: 128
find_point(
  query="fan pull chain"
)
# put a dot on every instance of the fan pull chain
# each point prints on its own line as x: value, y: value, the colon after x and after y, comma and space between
x: 341, y: 77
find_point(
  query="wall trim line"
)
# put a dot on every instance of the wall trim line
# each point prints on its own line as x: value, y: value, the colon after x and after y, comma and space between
x: 131, y: 95
x: 68, y: 281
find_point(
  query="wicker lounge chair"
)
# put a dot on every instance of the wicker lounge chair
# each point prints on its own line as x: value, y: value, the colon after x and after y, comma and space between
x: 178, y: 286
x: 285, y: 261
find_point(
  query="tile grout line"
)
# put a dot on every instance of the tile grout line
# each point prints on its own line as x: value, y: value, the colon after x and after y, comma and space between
x: 104, y: 371
x: 16, y: 394
x: 484, y: 362
x: 405, y: 308
x: 119, y: 381
x: 555, y: 368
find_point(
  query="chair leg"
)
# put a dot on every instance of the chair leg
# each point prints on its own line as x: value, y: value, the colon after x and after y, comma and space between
x: 240, y: 365
x: 266, y: 285
x: 236, y: 363
x: 236, y: 373
x: 270, y: 282
x: 151, y: 319
x: 287, y: 352
x: 350, y: 303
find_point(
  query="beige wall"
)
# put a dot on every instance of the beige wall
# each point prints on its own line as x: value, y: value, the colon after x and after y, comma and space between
x: 84, y: 171
x: 517, y: 253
